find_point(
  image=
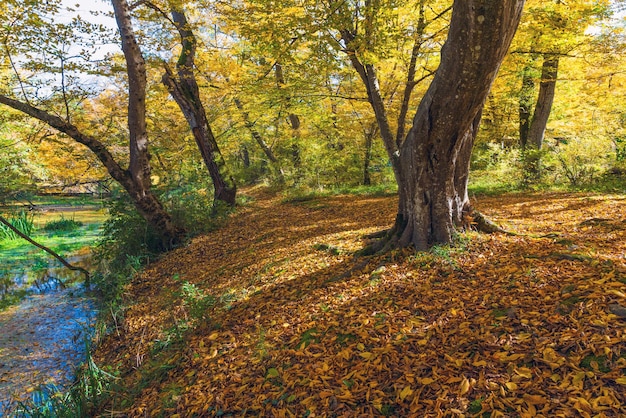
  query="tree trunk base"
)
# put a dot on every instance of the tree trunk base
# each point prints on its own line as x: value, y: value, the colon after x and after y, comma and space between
x: 226, y: 195
x: 389, y: 239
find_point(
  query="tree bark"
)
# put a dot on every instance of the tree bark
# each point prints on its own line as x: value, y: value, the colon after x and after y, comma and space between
x: 369, y: 134
x: 435, y: 157
x: 547, y: 88
x: 139, y: 166
x: 367, y: 73
x: 184, y: 89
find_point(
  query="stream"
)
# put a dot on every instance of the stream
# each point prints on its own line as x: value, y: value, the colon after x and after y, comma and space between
x: 43, y: 338
x: 41, y: 342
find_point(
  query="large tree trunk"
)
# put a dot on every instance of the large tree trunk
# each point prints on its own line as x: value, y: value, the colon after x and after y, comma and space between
x: 547, y: 88
x: 434, y: 158
x: 184, y: 89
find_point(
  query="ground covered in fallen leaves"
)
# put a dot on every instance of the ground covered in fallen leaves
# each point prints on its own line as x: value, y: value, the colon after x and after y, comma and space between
x: 274, y: 315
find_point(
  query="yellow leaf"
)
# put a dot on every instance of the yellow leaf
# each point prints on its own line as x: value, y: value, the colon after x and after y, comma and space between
x: 405, y: 392
x: 524, y: 372
x: 378, y: 404
x: 511, y: 386
x: 534, y: 399
x: 621, y: 381
x: 360, y: 347
x: 617, y: 293
x: 425, y: 380
x: 479, y: 363
x: 582, y: 405
x: 325, y: 394
x: 464, y: 387
x: 367, y: 355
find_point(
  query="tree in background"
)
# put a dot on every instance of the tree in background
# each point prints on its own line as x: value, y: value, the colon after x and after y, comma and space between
x: 184, y: 89
x: 541, y: 127
x: 550, y: 31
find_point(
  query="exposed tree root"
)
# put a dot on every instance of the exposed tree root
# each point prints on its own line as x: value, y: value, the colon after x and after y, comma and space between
x: 483, y: 224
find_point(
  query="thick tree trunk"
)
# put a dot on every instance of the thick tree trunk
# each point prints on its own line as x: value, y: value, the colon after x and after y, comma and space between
x: 434, y: 158
x: 184, y: 89
x: 547, y: 88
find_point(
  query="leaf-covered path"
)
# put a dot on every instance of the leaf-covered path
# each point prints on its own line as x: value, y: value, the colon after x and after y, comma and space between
x: 499, y: 326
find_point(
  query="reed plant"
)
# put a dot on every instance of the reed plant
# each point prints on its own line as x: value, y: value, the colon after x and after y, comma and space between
x: 22, y: 221
x: 80, y: 400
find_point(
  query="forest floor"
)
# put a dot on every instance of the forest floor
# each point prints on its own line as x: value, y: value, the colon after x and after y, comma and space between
x: 274, y: 315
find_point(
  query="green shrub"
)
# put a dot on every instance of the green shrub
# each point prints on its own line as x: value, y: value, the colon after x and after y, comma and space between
x: 62, y: 225
x: 583, y: 159
x: 194, y: 208
x: 495, y: 169
x: 197, y: 301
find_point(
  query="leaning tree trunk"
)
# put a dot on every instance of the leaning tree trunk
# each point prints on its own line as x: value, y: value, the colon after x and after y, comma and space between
x: 185, y: 91
x: 434, y: 158
x: 137, y: 181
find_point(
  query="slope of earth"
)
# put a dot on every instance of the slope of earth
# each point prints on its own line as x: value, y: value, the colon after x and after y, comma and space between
x: 273, y: 315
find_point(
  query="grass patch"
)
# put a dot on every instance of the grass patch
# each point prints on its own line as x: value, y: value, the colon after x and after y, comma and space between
x: 307, y: 194
x: 595, y: 363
